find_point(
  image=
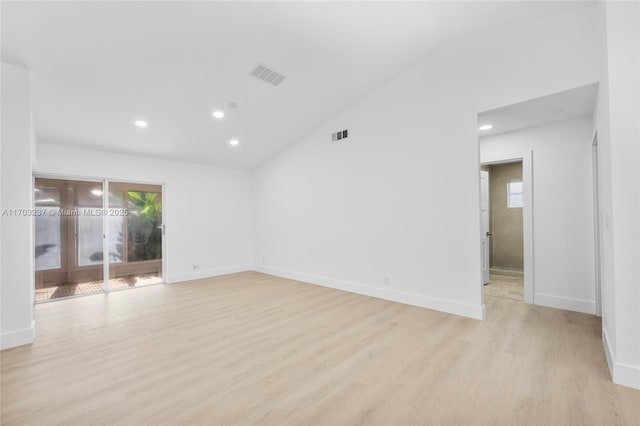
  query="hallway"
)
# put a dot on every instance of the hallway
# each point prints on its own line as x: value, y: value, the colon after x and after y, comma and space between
x: 505, y: 284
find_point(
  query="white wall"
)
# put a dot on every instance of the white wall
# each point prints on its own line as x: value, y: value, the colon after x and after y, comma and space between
x: 563, y: 225
x: 208, y: 220
x: 400, y: 197
x: 618, y: 126
x: 16, y: 279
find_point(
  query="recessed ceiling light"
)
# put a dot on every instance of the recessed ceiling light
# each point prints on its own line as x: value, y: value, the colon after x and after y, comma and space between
x: 234, y: 142
x: 97, y: 192
x: 141, y: 123
x: 485, y: 127
x: 218, y: 114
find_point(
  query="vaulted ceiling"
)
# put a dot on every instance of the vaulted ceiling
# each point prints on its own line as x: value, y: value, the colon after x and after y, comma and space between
x: 564, y: 105
x: 97, y: 67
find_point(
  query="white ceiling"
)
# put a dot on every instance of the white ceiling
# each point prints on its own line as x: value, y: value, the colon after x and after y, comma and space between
x: 547, y: 109
x: 99, y: 66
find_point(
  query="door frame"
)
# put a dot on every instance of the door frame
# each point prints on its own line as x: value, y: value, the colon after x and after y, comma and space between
x: 527, y: 216
x: 597, y: 224
x: 163, y: 189
x: 105, y: 241
x: 485, y: 231
x: 68, y: 242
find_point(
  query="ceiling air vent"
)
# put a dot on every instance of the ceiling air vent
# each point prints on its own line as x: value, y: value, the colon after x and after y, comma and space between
x: 266, y: 74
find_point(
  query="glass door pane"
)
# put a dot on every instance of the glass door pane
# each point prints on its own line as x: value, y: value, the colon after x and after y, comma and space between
x: 68, y: 238
x: 135, y: 235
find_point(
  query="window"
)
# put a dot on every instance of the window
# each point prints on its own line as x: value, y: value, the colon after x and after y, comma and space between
x: 47, y: 239
x: 88, y: 201
x: 514, y: 194
x: 47, y: 228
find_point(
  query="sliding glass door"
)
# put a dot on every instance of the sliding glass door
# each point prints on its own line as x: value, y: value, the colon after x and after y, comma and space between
x: 68, y: 238
x: 75, y: 224
x: 135, y: 235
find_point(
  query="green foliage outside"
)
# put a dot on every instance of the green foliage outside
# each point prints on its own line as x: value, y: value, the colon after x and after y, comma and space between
x: 144, y: 235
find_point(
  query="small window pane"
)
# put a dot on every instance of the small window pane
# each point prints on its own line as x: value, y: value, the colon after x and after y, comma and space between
x: 516, y: 200
x: 89, y: 237
x: 116, y: 239
x: 143, y: 226
x: 48, y: 196
x: 47, y: 239
x: 515, y: 197
x: 89, y: 196
x: 515, y: 187
x: 116, y: 198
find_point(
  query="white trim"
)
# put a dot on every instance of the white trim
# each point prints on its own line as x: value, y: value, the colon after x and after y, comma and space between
x: 106, y: 270
x: 209, y: 273
x: 62, y: 176
x: 621, y: 373
x: 93, y: 179
x: 165, y: 243
x: 568, y: 303
x: 607, y: 351
x: 626, y: 375
x: 527, y: 220
x: 596, y: 223
x: 18, y: 337
x: 485, y: 264
x: 443, y: 305
x: 32, y: 259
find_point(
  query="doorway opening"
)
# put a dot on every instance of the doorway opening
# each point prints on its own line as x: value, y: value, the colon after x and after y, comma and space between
x: 78, y: 221
x: 503, y: 202
x: 552, y: 137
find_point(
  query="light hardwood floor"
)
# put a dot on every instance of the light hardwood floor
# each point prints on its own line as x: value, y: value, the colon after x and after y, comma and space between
x: 508, y: 287
x: 254, y: 349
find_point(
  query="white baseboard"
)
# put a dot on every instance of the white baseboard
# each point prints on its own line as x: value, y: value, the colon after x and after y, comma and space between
x: 621, y: 373
x: 448, y: 306
x: 607, y: 351
x: 568, y: 303
x: 626, y: 375
x: 208, y: 273
x: 18, y: 337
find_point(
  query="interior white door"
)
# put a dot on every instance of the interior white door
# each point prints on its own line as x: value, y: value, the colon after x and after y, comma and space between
x: 484, y: 213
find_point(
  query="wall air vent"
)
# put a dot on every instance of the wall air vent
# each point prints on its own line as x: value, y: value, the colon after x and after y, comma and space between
x: 337, y: 136
x: 266, y: 74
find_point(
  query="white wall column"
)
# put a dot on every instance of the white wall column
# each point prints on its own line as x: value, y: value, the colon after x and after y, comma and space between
x: 618, y: 125
x: 16, y: 235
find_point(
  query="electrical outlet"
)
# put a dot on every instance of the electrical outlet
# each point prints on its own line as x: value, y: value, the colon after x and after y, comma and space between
x: 387, y: 281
